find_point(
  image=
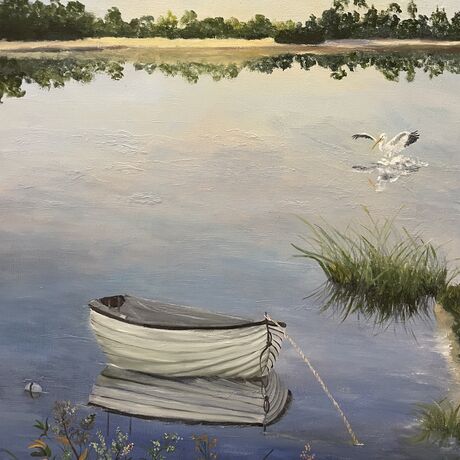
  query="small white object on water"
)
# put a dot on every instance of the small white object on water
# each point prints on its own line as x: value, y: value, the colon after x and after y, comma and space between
x: 33, y: 388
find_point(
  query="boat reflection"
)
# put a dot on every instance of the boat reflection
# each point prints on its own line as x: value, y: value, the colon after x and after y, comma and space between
x: 193, y: 399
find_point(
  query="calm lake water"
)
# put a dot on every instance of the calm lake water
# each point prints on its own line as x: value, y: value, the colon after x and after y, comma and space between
x: 294, y: 9
x: 189, y: 193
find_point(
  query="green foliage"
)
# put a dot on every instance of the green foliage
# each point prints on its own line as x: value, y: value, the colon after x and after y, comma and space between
x: 258, y: 27
x: 455, y: 27
x: 27, y: 20
x: 439, y: 422
x: 167, y: 26
x: 51, y: 73
x: 114, y: 25
x: 343, y: 21
x: 69, y: 432
x: 159, y: 449
x: 36, y: 20
x: 119, y: 449
x: 450, y: 301
x: 44, y: 427
x: 55, y: 73
x: 23, y: 20
x: 71, y: 436
x: 191, y: 71
x: 440, y: 25
x: 312, y: 33
x: 307, y: 453
x: 412, y: 9
x: 189, y: 17
x: 391, y: 65
x: 375, y: 270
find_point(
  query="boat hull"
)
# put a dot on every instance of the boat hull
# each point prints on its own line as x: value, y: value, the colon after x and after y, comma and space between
x: 242, y: 352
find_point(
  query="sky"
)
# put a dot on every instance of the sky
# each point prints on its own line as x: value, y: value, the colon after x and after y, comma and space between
x: 243, y: 9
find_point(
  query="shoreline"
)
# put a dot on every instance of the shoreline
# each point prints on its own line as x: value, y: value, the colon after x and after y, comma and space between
x: 449, y: 346
x: 212, y: 44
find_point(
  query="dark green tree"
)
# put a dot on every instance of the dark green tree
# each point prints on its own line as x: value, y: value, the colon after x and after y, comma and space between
x: 258, y: 27
x: 440, y: 25
x: 455, y: 27
x: 189, y: 17
x: 412, y: 9
x: 167, y: 25
x: 114, y: 25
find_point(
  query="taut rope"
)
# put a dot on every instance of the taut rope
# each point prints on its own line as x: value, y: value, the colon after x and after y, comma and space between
x: 320, y: 381
x: 263, y: 388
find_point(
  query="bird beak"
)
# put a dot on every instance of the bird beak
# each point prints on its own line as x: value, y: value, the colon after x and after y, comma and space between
x: 377, y: 142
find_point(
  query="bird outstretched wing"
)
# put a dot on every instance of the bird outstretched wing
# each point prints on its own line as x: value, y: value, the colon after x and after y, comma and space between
x: 364, y: 136
x: 413, y: 137
x: 403, y: 140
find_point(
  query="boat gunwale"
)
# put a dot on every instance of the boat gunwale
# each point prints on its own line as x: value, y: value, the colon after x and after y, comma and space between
x: 184, y: 328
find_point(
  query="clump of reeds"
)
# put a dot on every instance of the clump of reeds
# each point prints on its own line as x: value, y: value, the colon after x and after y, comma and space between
x: 377, y: 270
x: 439, y: 422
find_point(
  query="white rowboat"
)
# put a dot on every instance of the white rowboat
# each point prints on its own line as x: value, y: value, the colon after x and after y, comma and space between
x: 191, y: 399
x: 178, y: 341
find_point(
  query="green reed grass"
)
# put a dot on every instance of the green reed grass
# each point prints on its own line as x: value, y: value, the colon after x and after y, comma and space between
x: 439, y: 422
x: 376, y: 270
x: 450, y: 301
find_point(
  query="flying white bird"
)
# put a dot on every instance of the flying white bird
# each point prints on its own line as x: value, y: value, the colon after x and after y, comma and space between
x: 393, y: 146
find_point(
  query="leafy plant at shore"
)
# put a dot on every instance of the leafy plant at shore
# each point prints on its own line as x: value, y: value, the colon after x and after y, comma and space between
x: 382, y: 273
x: 439, y: 422
x: 307, y: 453
x: 70, y: 437
x: 160, y: 448
x: 69, y: 432
x: 120, y: 447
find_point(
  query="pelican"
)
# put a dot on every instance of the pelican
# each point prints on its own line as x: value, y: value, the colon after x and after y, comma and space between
x: 394, y: 146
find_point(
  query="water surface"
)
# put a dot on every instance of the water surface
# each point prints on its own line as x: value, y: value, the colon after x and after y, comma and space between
x: 189, y: 193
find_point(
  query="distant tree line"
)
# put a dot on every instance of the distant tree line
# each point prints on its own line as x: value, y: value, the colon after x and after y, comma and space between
x: 340, y: 21
x: 27, y: 20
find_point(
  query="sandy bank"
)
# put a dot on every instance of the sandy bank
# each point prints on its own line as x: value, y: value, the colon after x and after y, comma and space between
x: 234, y: 45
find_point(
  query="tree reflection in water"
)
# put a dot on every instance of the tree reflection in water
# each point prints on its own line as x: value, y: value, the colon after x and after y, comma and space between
x: 50, y: 73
